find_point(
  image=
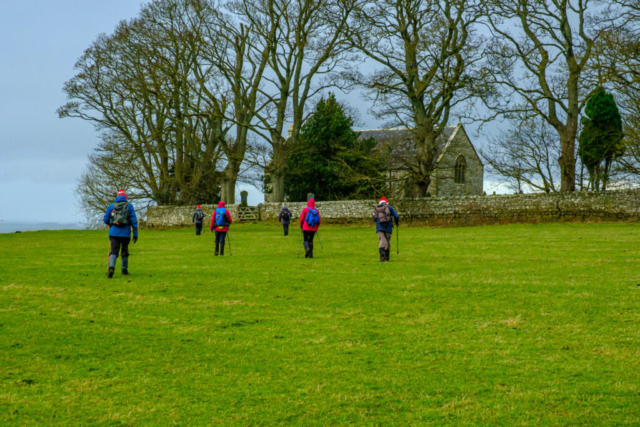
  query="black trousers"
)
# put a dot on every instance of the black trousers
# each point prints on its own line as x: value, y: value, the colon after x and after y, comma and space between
x: 286, y: 229
x: 117, y: 243
x: 198, y: 228
x: 308, y: 236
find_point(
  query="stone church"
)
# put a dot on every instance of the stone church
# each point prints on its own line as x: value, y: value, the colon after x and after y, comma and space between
x: 458, y: 170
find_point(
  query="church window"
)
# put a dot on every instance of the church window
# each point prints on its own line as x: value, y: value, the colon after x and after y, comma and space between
x: 461, y: 170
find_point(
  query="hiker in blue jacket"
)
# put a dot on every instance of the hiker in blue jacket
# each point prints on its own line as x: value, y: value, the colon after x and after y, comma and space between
x: 120, y: 217
x: 383, y: 215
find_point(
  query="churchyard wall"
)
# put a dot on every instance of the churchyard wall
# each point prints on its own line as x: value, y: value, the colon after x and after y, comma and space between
x: 450, y: 211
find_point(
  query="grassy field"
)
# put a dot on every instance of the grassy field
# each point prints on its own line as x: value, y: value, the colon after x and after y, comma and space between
x: 503, y: 325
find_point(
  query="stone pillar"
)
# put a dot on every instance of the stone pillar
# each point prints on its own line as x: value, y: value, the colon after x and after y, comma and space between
x: 310, y: 196
x: 243, y: 197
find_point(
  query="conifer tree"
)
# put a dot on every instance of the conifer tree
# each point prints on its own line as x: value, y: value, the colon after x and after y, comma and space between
x: 601, y: 139
x: 330, y: 160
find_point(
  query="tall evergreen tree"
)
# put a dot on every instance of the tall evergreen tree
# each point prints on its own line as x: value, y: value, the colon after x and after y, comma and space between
x: 330, y: 160
x: 601, y: 139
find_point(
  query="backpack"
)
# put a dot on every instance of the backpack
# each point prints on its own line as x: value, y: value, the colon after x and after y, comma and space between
x: 221, y: 217
x: 286, y: 215
x: 382, y: 214
x: 200, y: 215
x: 312, y: 219
x: 120, y: 214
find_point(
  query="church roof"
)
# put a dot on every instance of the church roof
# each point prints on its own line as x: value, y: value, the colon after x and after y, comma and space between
x: 399, y: 141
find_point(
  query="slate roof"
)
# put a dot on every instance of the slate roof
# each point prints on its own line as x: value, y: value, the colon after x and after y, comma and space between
x: 399, y: 140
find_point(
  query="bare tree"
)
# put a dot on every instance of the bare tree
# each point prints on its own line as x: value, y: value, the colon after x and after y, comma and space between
x: 525, y: 156
x: 427, y: 53
x: 618, y: 56
x: 229, y: 50
x: 135, y: 83
x: 304, y: 42
x: 111, y: 166
x: 543, y: 56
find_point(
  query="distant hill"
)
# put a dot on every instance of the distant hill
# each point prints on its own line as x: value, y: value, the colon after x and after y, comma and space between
x: 12, y: 227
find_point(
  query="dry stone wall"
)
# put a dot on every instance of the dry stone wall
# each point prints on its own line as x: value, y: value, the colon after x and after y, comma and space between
x: 449, y: 211
x: 481, y: 210
x: 180, y: 216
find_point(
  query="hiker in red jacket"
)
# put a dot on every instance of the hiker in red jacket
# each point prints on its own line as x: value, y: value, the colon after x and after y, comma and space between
x: 220, y: 223
x: 309, y: 223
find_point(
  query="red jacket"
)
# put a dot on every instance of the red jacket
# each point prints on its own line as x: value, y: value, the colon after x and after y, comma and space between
x: 213, y: 219
x: 305, y: 227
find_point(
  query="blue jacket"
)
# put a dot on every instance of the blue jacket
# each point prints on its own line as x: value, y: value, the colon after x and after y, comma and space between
x: 125, y: 231
x: 387, y: 227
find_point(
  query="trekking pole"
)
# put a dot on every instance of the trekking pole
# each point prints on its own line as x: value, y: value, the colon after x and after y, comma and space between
x: 230, y: 251
x: 300, y: 247
x: 398, y: 241
x: 319, y: 240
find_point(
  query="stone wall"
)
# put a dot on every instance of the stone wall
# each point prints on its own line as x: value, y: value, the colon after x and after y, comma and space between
x: 179, y: 216
x: 447, y: 211
x: 482, y: 210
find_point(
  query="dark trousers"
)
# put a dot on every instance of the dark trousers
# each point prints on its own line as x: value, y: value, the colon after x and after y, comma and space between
x: 198, y: 228
x: 117, y: 243
x: 220, y: 236
x: 286, y: 229
x: 307, y: 237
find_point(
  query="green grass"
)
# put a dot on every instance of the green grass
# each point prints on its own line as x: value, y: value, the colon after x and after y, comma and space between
x: 503, y: 325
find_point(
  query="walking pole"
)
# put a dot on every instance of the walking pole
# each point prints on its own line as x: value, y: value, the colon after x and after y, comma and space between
x: 320, y: 240
x: 398, y: 240
x: 229, y: 237
x: 299, y: 247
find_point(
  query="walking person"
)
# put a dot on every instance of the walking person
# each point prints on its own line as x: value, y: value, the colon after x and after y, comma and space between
x: 384, y: 215
x: 121, y: 218
x: 285, y: 218
x: 197, y: 218
x: 220, y: 223
x: 309, y: 223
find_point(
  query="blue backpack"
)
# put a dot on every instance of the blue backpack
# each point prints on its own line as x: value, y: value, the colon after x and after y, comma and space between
x: 221, y: 217
x: 312, y: 219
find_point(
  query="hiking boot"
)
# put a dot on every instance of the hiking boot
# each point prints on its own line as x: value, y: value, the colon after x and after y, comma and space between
x: 383, y: 255
x: 217, y: 249
x: 310, y: 250
x: 387, y: 253
x: 111, y: 271
x: 125, y: 272
x: 307, y: 250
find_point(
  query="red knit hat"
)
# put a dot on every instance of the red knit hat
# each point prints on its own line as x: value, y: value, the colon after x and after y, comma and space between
x: 383, y: 200
x: 122, y: 193
x: 199, y: 206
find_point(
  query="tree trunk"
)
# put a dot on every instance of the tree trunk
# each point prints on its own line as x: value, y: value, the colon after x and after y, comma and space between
x: 277, y: 169
x: 567, y: 161
x: 228, y: 183
x: 426, y: 140
x: 228, y: 191
x: 277, y: 183
x: 420, y: 189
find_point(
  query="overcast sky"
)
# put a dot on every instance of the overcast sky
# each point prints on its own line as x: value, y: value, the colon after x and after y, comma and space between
x: 42, y: 156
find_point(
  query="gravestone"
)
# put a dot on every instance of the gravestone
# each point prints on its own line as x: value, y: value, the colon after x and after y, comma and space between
x: 310, y: 196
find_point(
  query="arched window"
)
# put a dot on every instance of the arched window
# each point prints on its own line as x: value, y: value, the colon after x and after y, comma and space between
x: 461, y: 169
